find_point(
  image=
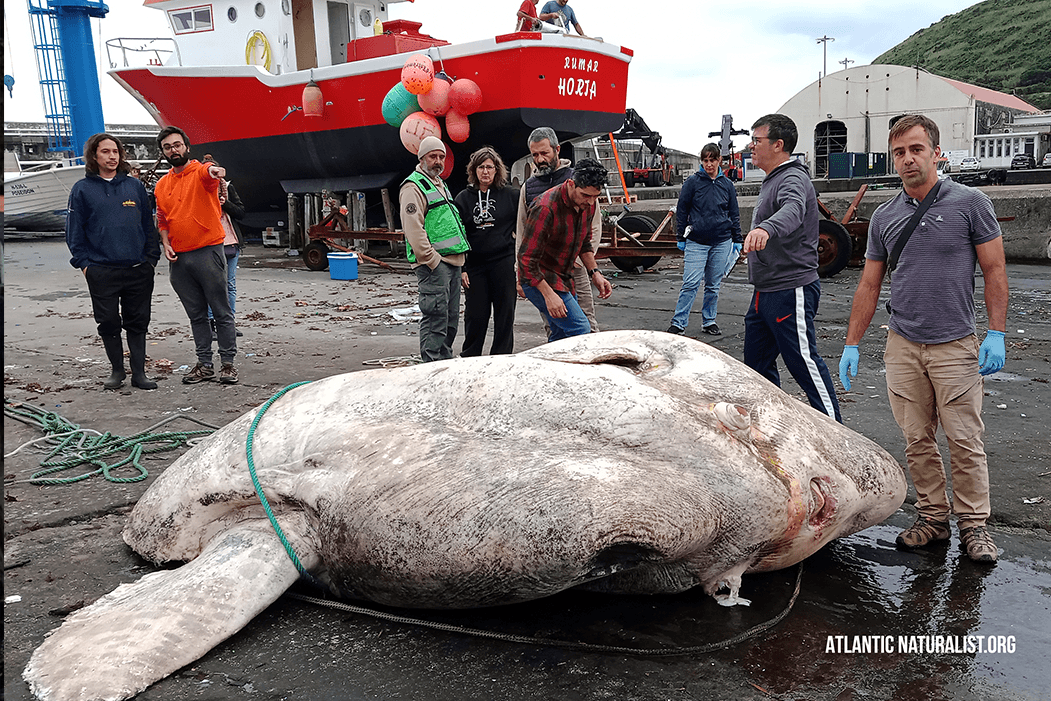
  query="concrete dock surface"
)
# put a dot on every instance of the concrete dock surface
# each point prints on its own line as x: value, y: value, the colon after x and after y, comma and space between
x: 63, y: 547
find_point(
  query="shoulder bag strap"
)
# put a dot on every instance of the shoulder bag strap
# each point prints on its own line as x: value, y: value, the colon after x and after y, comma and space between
x: 906, y: 233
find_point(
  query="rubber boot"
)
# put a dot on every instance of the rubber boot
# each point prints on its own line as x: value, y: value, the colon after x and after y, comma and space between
x: 115, y: 353
x: 137, y: 356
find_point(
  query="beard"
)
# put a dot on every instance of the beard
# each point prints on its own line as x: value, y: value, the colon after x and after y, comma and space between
x: 177, y: 160
x: 547, y: 166
x: 436, y: 171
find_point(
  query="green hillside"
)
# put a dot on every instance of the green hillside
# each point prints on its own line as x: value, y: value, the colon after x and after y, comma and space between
x: 1000, y: 44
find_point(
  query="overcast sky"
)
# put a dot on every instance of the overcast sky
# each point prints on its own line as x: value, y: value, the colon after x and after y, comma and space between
x: 695, y: 60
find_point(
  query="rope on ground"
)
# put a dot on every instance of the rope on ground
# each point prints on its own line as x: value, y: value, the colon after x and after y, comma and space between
x: 567, y: 644
x: 394, y: 361
x: 71, y: 446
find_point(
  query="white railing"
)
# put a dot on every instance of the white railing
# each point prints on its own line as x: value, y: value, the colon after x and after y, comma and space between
x: 124, y: 52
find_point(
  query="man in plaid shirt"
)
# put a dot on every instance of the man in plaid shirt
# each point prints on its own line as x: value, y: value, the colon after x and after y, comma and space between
x: 557, y: 232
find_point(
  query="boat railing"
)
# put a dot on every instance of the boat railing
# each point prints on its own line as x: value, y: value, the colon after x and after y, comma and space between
x: 133, y: 52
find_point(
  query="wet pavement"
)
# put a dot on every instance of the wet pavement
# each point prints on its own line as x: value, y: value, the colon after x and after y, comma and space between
x: 63, y: 545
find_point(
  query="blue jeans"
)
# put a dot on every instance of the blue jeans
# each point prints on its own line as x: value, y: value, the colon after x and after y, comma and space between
x: 574, y: 324
x: 706, y: 263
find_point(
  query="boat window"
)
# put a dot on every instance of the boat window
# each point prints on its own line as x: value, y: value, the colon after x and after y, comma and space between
x: 259, y: 10
x: 231, y: 14
x: 191, y: 19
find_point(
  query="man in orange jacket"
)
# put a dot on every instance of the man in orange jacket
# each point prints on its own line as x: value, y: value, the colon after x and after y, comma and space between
x: 188, y: 217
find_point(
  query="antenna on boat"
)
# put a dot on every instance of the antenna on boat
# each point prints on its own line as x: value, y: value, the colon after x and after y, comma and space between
x: 441, y: 73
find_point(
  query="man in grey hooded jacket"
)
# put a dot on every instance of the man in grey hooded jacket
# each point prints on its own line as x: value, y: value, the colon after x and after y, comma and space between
x: 782, y: 266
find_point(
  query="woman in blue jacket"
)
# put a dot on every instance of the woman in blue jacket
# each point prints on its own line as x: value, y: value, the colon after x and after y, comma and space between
x: 709, y: 231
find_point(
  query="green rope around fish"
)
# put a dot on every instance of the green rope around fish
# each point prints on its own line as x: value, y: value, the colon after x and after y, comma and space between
x: 259, y: 489
x: 73, y: 446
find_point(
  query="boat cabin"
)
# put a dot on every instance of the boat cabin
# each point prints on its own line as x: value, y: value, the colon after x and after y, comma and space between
x: 284, y: 36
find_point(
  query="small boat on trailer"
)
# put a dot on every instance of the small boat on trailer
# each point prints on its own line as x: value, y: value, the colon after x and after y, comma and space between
x: 234, y: 82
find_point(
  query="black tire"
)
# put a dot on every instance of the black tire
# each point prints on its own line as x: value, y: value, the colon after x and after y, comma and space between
x: 315, y: 255
x: 636, y: 224
x: 654, y: 179
x: 834, y: 247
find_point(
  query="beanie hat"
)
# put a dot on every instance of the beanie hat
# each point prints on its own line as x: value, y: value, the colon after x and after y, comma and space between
x: 430, y: 143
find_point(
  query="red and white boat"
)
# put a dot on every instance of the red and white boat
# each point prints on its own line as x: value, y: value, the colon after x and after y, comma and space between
x: 234, y: 83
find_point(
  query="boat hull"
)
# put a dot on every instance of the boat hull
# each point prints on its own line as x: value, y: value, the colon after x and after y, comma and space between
x: 38, y: 200
x: 247, y: 119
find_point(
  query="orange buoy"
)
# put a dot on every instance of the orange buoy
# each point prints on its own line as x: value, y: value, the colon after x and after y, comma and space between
x: 313, y: 100
x: 417, y: 75
x: 465, y: 96
x: 416, y: 127
x: 436, y: 100
x: 448, y: 162
x: 457, y: 126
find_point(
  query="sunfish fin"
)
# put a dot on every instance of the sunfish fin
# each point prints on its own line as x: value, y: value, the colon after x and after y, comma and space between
x: 143, y: 631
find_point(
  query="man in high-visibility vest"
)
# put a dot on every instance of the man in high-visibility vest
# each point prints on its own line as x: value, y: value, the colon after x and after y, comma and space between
x: 436, y: 242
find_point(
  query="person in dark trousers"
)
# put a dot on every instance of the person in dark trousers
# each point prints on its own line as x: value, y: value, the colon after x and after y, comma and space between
x: 110, y: 232
x: 188, y: 216
x: 709, y: 231
x: 782, y: 266
x: 489, y: 209
x: 435, y: 244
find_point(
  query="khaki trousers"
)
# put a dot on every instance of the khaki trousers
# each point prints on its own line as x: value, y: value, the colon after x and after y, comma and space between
x: 932, y: 383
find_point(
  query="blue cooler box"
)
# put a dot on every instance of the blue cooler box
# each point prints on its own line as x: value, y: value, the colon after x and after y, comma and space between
x: 343, y: 266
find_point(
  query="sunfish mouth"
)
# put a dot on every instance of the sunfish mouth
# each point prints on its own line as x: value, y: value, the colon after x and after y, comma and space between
x: 824, y: 501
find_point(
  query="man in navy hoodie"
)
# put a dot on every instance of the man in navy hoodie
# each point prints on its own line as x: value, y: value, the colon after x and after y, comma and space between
x: 782, y: 265
x: 111, y: 234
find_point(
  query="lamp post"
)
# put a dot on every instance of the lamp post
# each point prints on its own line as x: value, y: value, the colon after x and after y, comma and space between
x: 823, y: 40
x: 846, y: 62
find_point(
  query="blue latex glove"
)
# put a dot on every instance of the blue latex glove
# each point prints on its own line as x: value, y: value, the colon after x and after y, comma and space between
x: 848, y: 365
x: 681, y: 245
x: 992, y: 354
x: 735, y: 253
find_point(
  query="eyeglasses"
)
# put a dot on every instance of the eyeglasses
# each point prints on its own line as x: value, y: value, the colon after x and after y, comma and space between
x: 486, y: 168
x: 757, y: 139
x: 177, y: 146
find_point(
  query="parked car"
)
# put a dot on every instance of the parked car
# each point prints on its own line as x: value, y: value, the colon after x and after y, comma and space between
x: 969, y: 163
x: 1022, y: 161
x: 1046, y: 163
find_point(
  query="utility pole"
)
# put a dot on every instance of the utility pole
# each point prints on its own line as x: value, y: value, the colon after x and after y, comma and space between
x: 846, y: 61
x: 824, y: 39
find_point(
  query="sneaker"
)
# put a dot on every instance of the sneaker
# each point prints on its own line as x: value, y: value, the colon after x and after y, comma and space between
x: 978, y: 544
x: 228, y: 374
x: 239, y: 334
x: 922, y: 533
x: 200, y: 373
x: 675, y: 330
x: 712, y: 329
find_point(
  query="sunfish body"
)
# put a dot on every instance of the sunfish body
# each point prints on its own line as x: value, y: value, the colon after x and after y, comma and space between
x: 626, y: 461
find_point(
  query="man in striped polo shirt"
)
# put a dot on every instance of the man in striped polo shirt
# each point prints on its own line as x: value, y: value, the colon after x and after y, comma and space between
x: 934, y: 362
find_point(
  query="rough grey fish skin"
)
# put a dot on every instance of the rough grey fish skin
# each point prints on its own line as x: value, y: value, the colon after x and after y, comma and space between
x: 625, y: 461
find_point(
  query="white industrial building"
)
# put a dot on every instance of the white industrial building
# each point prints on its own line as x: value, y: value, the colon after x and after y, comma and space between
x: 852, y: 111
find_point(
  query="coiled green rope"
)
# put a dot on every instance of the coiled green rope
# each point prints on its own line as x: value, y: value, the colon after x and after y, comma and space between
x: 73, y: 446
x: 259, y: 489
